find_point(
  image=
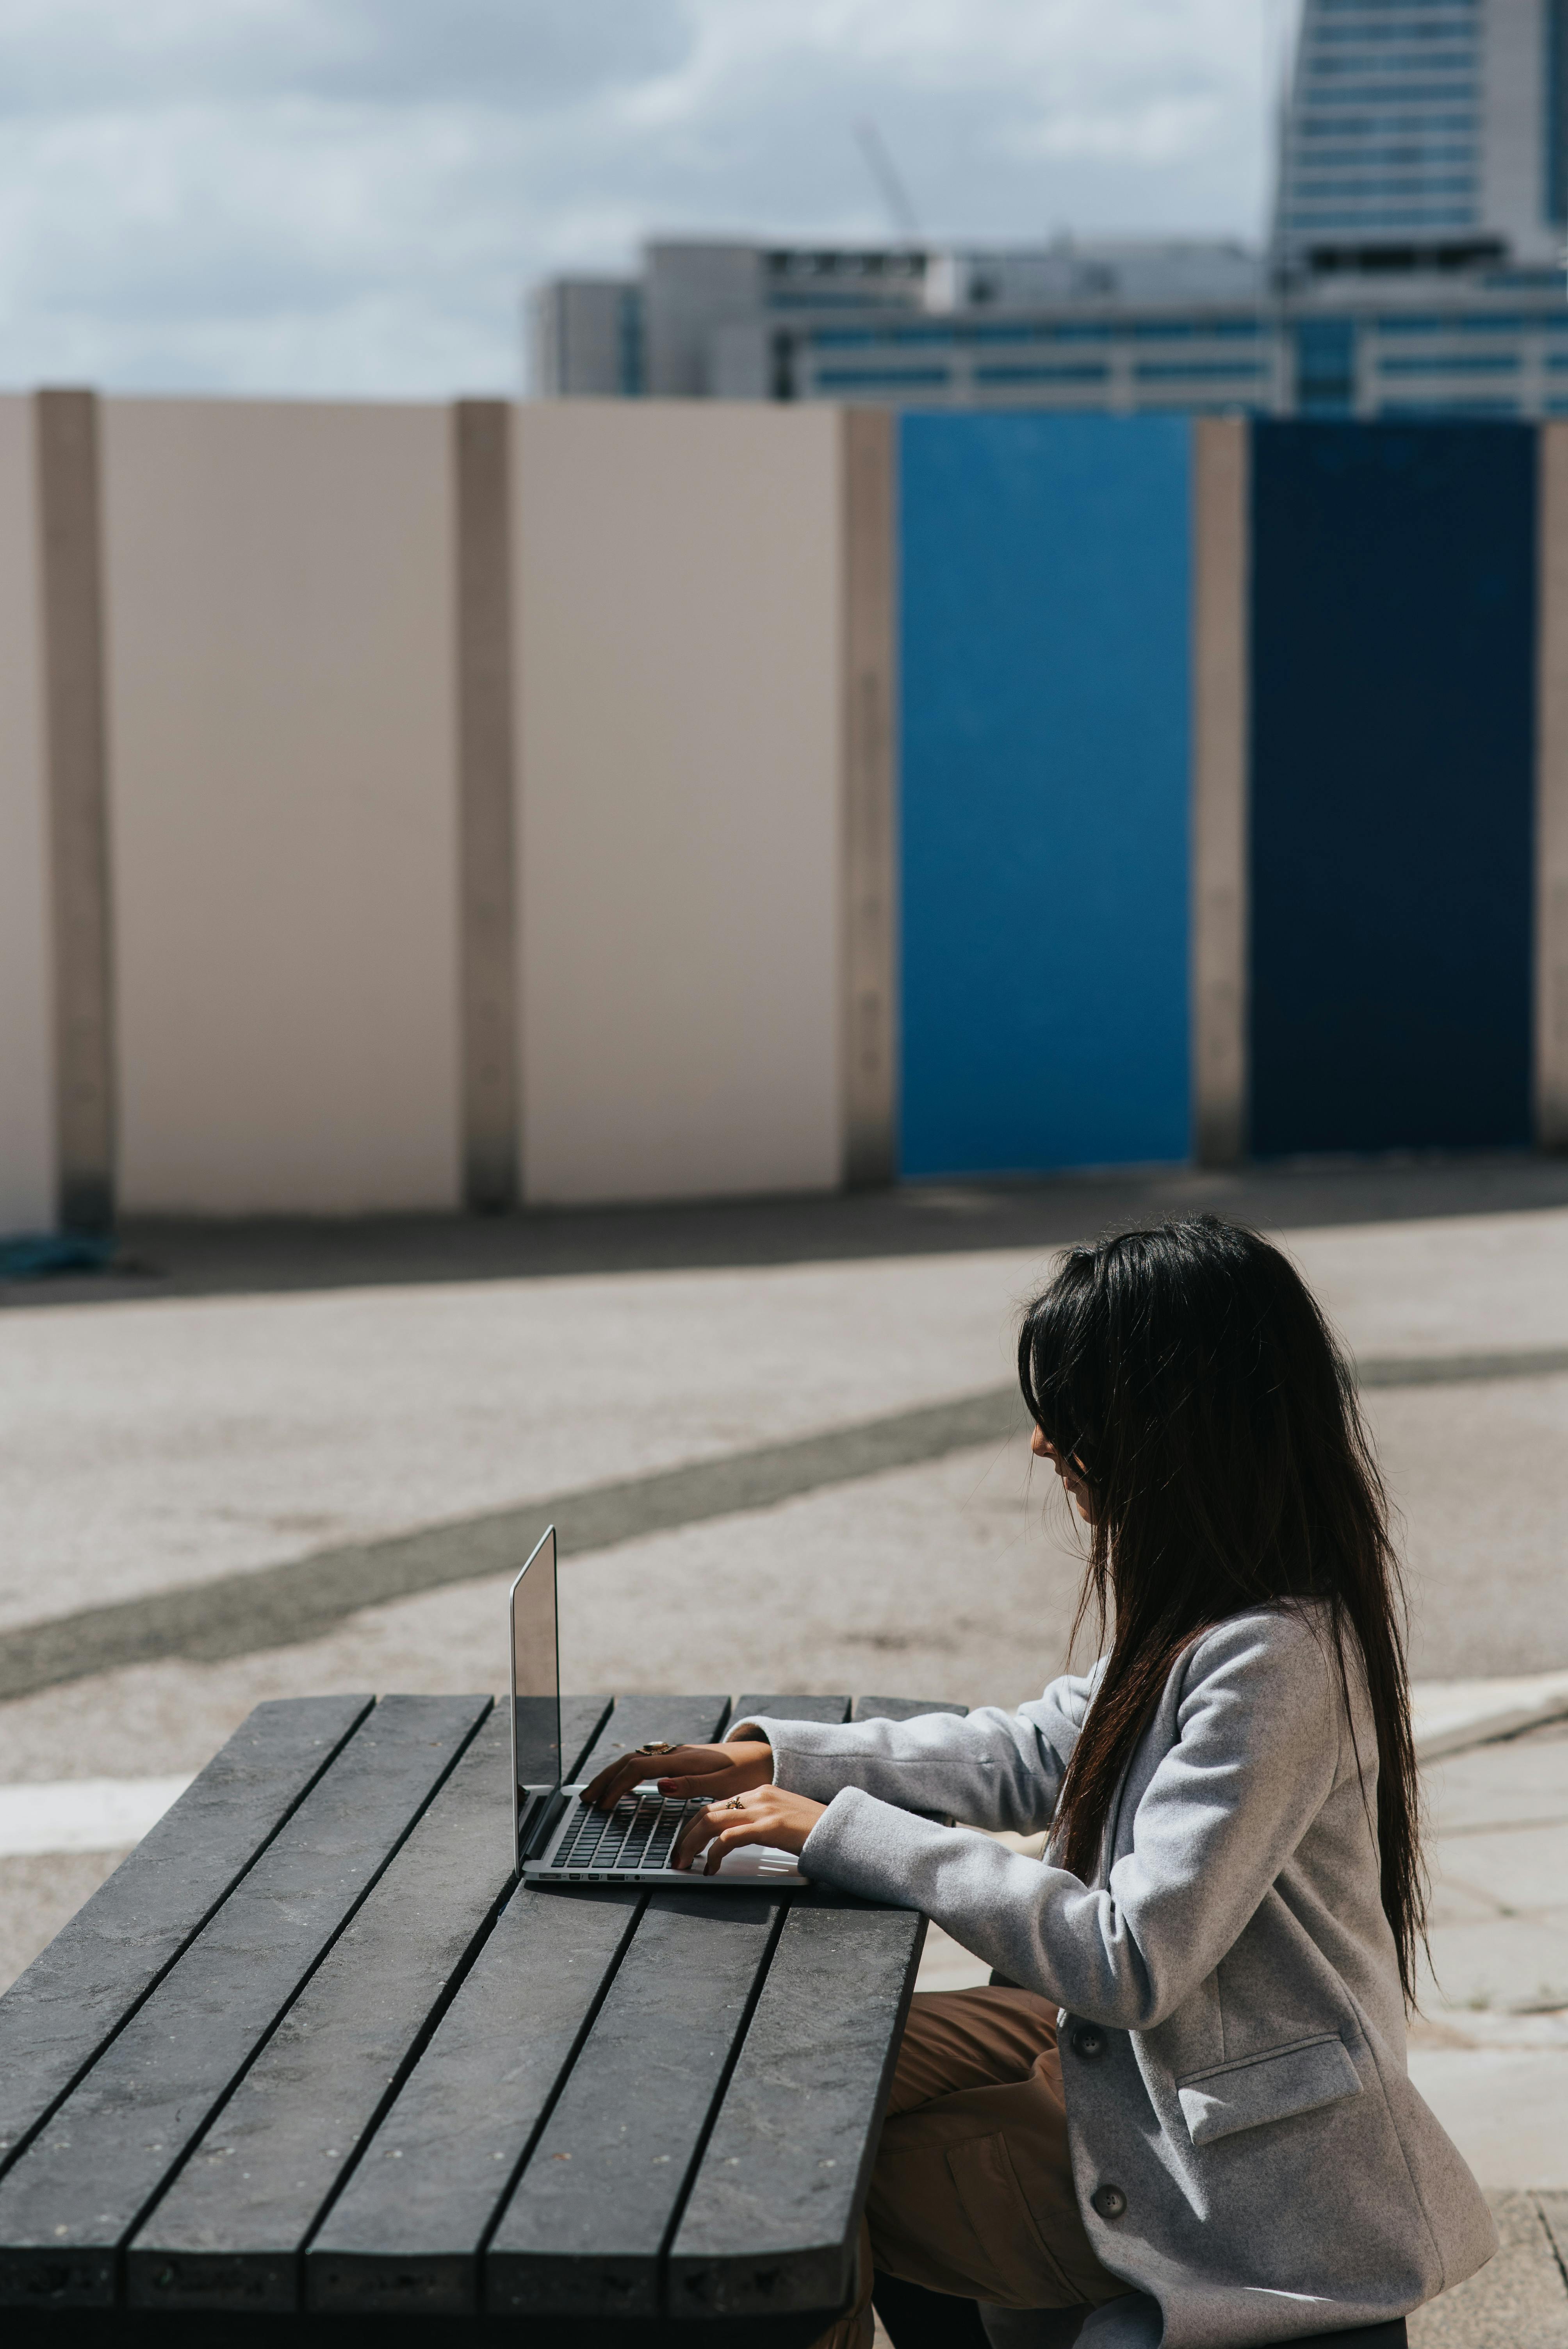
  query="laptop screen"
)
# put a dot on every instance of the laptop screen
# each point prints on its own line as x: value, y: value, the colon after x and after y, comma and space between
x: 535, y: 1672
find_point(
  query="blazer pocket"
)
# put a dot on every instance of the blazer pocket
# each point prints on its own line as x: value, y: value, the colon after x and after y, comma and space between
x: 1296, y: 2078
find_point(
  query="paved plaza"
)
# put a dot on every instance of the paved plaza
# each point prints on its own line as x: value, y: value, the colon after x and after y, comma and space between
x: 272, y: 1463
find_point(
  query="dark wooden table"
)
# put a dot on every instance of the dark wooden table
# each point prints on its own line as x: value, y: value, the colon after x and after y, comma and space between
x: 310, y: 2059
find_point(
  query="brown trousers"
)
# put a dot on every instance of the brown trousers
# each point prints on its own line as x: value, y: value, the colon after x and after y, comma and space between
x: 973, y: 2189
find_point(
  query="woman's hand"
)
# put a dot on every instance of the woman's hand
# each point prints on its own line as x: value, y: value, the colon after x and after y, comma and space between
x: 770, y: 1815
x: 708, y: 1772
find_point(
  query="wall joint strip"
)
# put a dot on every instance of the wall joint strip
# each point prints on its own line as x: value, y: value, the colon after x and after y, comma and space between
x: 869, y: 823
x: 1220, y: 789
x: 487, y: 814
x: 70, y: 553
x: 1552, y: 796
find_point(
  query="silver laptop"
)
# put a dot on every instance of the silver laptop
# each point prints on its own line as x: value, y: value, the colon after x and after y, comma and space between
x: 559, y: 1839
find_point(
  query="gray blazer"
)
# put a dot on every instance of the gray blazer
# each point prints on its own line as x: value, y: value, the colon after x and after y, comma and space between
x: 1246, y: 2146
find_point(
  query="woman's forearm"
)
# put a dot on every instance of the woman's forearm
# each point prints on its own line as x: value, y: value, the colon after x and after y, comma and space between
x: 990, y: 1769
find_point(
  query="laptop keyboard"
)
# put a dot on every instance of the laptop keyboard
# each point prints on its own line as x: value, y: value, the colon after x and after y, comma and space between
x: 640, y: 1832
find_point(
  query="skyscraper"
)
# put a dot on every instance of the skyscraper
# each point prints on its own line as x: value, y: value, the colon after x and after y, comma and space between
x: 1425, y: 135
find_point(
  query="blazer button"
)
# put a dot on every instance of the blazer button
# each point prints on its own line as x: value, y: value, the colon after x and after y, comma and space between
x: 1087, y: 2041
x: 1108, y: 2200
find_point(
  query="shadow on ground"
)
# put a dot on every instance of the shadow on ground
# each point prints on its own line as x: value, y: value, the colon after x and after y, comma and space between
x: 193, y: 1257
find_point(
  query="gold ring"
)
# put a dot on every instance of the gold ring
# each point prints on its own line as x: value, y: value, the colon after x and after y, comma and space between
x: 735, y: 1803
x: 654, y: 1745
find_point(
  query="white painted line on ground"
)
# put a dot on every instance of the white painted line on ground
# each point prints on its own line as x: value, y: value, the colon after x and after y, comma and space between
x: 82, y: 1813
x: 1451, y: 1715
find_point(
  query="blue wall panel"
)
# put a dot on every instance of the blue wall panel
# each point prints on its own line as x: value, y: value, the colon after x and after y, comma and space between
x: 1045, y: 712
x: 1393, y: 691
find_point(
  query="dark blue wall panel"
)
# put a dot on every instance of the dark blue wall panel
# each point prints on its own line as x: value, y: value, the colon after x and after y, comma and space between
x: 1393, y: 690
x: 1045, y: 715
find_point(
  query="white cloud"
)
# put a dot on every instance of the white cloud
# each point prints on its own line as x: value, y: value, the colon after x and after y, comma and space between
x: 349, y: 195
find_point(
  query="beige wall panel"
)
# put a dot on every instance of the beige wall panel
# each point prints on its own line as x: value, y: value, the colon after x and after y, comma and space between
x: 679, y: 700
x: 283, y: 730
x: 28, y: 1154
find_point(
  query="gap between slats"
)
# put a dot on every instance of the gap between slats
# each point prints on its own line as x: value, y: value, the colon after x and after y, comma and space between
x: 633, y: 1919
x: 706, y: 2133
x: 141, y: 2217
x: 432, y: 2022
x: 13, y: 2154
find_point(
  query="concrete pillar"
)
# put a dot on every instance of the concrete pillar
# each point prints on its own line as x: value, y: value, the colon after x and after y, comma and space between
x: 486, y: 792
x: 65, y: 429
x: 29, y: 1188
x: 1221, y: 593
x: 1552, y: 796
x: 869, y: 878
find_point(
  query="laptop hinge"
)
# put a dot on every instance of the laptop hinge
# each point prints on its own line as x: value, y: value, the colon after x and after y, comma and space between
x: 539, y: 1810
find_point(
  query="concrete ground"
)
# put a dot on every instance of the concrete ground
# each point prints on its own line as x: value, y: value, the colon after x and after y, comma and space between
x: 259, y: 1398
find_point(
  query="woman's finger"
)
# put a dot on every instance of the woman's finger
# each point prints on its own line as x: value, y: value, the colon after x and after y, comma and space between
x: 721, y: 1827
x: 618, y: 1779
x: 705, y: 1786
x: 731, y: 1838
x: 729, y: 1822
x: 606, y: 1787
x: 693, y: 1835
x: 629, y: 1769
x: 706, y: 1772
x: 716, y: 1769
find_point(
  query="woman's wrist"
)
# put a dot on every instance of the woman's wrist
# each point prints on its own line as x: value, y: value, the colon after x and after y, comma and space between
x: 755, y: 1753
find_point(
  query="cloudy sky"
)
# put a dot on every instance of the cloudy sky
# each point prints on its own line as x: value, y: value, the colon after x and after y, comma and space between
x: 347, y: 196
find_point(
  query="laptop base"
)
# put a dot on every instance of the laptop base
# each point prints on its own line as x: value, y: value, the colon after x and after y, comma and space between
x: 632, y: 1845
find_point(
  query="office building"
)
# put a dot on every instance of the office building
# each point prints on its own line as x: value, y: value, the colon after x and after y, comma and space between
x: 1415, y: 266
x: 1423, y: 136
x: 585, y: 335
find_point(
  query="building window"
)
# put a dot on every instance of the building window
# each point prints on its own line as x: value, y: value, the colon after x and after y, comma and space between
x: 1453, y: 362
x: 873, y: 379
x: 1197, y: 370
x: 1482, y: 322
x: 629, y: 343
x: 1412, y: 187
x: 1555, y: 144
x: 1325, y: 367
x: 781, y: 373
x: 1090, y: 372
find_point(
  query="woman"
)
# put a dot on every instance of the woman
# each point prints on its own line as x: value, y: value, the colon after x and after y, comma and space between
x: 1188, y: 2104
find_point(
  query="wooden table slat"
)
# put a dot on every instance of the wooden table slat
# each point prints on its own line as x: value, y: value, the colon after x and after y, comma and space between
x: 73, y: 2196
x: 608, y: 2114
x: 406, y: 2233
x: 770, y: 2223
x: 585, y: 2228
x: 75, y: 1996
x: 901, y: 1708
x: 581, y: 1720
x: 791, y: 1708
x: 682, y: 1719
x: 232, y: 2230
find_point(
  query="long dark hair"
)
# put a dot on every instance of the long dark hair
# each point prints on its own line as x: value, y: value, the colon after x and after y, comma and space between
x: 1190, y: 1374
